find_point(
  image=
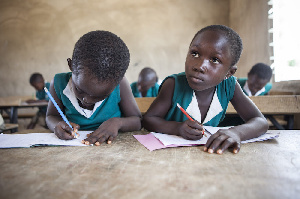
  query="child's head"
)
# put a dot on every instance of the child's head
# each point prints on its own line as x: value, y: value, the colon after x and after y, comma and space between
x: 259, y: 75
x: 147, y: 79
x: 212, y: 56
x: 99, y: 62
x: 37, y: 81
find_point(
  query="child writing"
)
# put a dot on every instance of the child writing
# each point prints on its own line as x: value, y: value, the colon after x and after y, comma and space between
x: 95, y: 95
x: 147, y: 85
x: 258, y: 79
x: 204, y: 90
x: 38, y: 82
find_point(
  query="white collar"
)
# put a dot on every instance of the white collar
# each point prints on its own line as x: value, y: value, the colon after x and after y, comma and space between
x: 247, y: 90
x: 214, y: 109
x: 68, y: 91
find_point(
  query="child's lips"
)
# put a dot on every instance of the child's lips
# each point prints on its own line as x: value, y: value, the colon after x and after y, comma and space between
x: 196, y: 79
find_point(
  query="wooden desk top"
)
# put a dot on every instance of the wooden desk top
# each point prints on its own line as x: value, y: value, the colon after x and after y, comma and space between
x: 18, y: 101
x: 270, y: 104
x: 125, y: 169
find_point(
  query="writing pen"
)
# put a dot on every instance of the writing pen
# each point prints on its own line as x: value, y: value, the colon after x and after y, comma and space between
x: 76, y: 135
x: 190, y: 118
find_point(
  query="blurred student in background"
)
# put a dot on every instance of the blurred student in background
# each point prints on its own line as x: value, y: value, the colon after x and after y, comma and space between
x: 147, y: 85
x: 38, y: 82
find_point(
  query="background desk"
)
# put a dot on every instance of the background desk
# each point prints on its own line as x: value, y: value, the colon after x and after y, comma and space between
x: 125, y: 169
x: 11, y: 104
x: 271, y: 105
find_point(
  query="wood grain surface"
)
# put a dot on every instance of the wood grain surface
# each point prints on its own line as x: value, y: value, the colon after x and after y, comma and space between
x: 125, y: 169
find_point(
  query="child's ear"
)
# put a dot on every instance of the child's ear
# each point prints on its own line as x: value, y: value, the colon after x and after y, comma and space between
x: 70, y: 63
x: 231, y: 71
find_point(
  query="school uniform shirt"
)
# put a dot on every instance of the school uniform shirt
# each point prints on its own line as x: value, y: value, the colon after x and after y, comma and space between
x: 87, y: 119
x: 185, y: 96
x: 152, y: 92
x: 41, y: 95
x: 244, y: 85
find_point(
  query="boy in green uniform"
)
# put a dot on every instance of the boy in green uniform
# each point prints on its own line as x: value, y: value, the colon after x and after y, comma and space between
x: 147, y: 85
x: 38, y: 82
x: 258, y: 81
x: 95, y: 95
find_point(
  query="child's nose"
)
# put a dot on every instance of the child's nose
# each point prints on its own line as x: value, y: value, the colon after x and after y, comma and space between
x: 202, y: 66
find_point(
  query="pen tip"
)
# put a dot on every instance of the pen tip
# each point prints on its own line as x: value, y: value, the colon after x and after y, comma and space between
x: 178, y: 105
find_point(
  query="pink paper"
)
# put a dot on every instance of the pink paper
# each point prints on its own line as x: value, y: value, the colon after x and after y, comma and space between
x: 152, y: 143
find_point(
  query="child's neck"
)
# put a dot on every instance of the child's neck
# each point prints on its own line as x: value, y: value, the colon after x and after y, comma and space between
x: 204, y: 99
x: 85, y: 107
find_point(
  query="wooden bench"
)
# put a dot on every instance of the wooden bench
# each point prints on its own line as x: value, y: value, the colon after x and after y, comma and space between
x: 270, y: 106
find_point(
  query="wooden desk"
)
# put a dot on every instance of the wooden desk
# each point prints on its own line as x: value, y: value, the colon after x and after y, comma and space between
x: 126, y: 169
x: 287, y: 105
x: 12, y: 103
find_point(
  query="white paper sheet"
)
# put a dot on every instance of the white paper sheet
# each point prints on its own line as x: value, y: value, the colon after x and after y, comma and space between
x: 32, y: 139
x: 168, y: 140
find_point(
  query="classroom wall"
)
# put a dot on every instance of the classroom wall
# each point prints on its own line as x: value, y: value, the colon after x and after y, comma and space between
x: 39, y: 35
x: 250, y: 20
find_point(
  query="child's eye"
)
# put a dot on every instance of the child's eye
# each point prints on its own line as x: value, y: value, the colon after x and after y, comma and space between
x: 195, y: 54
x: 215, y: 60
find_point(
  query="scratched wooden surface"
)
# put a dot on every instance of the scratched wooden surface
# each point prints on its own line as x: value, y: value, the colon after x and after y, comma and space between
x: 125, y: 169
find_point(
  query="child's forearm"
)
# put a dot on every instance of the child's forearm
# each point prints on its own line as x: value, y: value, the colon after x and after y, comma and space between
x: 160, y: 125
x: 252, y: 128
x: 127, y: 124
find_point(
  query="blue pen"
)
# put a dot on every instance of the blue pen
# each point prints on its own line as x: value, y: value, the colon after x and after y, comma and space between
x: 58, y: 109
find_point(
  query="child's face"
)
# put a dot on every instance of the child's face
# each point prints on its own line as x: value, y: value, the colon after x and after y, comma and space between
x: 89, y: 90
x: 255, y: 83
x: 145, y: 85
x: 208, y: 60
x: 38, y: 85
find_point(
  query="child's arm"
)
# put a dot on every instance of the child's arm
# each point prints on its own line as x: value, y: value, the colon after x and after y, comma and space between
x: 154, y: 120
x: 255, y: 125
x: 55, y: 122
x: 131, y: 121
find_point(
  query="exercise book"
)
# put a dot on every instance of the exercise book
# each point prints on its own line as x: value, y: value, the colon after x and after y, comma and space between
x: 39, y: 139
x: 153, y: 140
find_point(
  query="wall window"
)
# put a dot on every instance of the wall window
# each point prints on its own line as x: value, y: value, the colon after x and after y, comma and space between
x: 285, y: 33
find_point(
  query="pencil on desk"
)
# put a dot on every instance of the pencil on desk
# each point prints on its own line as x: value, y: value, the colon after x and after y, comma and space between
x: 188, y: 116
x: 60, y: 112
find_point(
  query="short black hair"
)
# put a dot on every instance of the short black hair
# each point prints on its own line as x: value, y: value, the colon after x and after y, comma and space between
x: 263, y: 71
x: 233, y: 38
x: 148, y: 73
x: 36, y: 77
x: 103, y: 53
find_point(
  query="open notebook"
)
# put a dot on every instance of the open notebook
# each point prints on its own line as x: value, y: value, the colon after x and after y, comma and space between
x: 38, y: 139
x: 153, y: 141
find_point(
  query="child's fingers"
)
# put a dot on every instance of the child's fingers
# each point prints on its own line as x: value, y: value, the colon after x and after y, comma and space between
x: 236, y: 147
x: 193, y: 134
x: 225, y: 145
x: 216, y: 143
x: 64, y: 132
x: 110, y: 139
x: 210, y: 140
x: 195, y: 125
x: 102, y: 139
x: 92, y: 139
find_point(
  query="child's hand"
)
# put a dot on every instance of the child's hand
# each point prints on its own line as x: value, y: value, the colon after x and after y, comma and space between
x: 222, y: 140
x: 63, y: 131
x: 107, y: 131
x: 191, y: 130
